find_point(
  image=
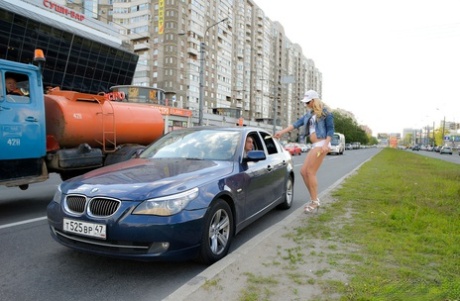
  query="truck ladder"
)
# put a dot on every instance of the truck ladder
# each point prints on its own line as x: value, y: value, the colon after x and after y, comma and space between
x: 109, y: 135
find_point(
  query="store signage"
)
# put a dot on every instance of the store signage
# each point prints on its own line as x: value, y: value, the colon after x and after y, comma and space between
x: 161, y: 16
x: 172, y: 111
x: 63, y: 10
x: 115, y: 96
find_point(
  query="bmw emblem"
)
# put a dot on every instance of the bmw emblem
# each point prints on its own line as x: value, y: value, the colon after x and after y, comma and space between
x: 94, y: 190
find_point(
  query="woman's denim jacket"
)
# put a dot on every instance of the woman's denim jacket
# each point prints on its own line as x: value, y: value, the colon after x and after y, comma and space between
x: 324, y: 126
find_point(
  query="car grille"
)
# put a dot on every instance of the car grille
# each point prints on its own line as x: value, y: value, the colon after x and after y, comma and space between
x: 98, y: 207
x: 76, y: 203
x: 103, y: 207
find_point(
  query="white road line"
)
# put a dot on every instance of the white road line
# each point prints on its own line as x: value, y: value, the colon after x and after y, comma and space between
x: 23, y: 222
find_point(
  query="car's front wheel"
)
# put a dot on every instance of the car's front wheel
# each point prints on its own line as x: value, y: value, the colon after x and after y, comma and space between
x: 218, y: 233
x: 288, y: 195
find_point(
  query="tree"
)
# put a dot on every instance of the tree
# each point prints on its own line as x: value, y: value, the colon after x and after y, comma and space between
x: 352, y: 131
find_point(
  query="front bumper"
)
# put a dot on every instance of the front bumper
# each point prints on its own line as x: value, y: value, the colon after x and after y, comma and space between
x: 138, y: 237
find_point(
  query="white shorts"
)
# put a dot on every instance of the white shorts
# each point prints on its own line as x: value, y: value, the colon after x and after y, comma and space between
x: 320, y: 144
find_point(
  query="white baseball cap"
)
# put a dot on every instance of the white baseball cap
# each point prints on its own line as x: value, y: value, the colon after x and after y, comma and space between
x: 309, y: 95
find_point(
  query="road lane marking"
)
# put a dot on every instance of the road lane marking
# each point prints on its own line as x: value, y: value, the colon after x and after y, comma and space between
x: 33, y: 220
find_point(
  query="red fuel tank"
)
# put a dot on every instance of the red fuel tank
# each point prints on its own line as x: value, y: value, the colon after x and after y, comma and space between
x: 74, y: 118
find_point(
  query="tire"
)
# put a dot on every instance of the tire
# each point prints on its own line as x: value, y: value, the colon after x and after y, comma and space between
x: 217, y: 234
x: 65, y: 175
x: 125, y: 153
x: 288, y: 195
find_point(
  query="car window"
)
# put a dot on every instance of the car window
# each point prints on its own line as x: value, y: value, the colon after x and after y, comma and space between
x: 19, y: 93
x: 269, y: 143
x: 257, y: 143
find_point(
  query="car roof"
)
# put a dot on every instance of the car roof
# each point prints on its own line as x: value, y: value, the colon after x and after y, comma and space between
x: 243, y: 129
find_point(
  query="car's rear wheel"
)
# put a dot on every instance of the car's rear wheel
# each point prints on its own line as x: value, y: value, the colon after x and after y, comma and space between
x: 218, y: 233
x: 288, y: 195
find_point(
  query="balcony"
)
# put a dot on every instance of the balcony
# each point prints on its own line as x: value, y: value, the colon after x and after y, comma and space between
x: 192, y: 51
x: 141, y: 46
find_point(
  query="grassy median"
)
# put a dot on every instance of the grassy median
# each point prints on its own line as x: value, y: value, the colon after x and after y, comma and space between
x: 390, y: 232
x: 401, y: 214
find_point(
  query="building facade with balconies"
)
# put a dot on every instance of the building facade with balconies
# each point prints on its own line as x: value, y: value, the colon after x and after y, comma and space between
x: 250, y: 65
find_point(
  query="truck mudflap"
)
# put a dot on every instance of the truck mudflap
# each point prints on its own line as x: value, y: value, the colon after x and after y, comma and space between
x: 83, y: 157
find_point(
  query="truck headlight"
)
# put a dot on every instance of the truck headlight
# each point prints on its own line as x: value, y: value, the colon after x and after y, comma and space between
x: 168, y: 205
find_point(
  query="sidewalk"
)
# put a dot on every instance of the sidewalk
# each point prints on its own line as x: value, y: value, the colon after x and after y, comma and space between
x: 272, y: 266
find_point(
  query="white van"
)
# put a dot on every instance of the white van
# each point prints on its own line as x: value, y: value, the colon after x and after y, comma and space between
x: 337, y: 144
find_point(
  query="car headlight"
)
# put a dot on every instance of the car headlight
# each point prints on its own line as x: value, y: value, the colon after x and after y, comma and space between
x: 58, y: 195
x: 168, y: 205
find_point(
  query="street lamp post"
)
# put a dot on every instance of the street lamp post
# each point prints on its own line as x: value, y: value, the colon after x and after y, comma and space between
x: 202, y: 58
x: 285, y: 79
x: 443, y: 129
x: 275, y: 110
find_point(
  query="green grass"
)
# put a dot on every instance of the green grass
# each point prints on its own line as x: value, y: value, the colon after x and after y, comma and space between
x: 392, y: 228
x: 404, y: 229
x: 257, y: 289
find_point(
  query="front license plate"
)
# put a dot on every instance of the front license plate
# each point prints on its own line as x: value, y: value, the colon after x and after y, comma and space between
x: 84, y: 228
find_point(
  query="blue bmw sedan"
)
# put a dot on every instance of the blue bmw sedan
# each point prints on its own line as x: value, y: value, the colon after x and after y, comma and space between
x: 184, y: 197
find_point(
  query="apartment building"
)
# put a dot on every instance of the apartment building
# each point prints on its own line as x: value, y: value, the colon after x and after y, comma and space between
x: 246, y: 64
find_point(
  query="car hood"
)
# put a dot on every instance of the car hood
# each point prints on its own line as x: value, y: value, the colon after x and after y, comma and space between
x: 140, y: 179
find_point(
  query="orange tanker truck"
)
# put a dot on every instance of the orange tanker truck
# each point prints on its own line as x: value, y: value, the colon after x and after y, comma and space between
x: 66, y: 132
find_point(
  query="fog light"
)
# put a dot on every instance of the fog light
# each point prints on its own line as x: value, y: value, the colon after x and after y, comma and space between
x: 159, y: 247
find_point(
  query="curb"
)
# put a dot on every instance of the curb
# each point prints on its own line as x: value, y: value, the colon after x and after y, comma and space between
x: 197, y: 282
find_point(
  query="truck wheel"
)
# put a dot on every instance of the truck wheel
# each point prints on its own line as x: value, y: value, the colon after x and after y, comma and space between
x: 65, y: 175
x: 125, y: 153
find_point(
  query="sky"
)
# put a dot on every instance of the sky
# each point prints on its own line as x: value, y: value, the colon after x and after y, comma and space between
x: 394, y: 64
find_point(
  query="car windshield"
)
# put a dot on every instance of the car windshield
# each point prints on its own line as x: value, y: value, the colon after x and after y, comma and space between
x: 195, y: 145
x: 335, y: 140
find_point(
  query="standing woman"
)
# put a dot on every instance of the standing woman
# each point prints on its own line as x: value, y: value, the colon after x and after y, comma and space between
x: 319, y: 123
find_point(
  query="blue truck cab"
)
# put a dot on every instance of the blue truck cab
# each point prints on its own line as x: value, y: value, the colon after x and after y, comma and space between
x: 22, y: 125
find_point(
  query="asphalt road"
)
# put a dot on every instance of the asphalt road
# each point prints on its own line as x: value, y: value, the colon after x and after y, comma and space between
x: 34, y: 267
x: 454, y: 158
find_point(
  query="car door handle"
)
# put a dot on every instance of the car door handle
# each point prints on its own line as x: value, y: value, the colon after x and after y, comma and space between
x: 31, y: 119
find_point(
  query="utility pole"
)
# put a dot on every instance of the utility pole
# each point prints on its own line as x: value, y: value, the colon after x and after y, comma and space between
x: 286, y: 79
x: 443, y: 129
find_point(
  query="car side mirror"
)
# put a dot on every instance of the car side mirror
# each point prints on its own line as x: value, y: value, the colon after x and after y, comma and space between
x: 255, y: 155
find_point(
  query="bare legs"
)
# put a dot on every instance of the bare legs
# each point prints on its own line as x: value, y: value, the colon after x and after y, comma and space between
x: 308, y: 171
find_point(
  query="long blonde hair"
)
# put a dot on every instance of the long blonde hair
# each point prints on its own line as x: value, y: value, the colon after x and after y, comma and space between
x: 318, y: 108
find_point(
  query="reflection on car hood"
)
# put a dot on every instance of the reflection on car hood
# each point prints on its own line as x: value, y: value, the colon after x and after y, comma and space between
x: 140, y: 179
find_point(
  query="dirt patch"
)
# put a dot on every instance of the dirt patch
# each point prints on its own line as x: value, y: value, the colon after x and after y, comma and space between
x: 283, y: 266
